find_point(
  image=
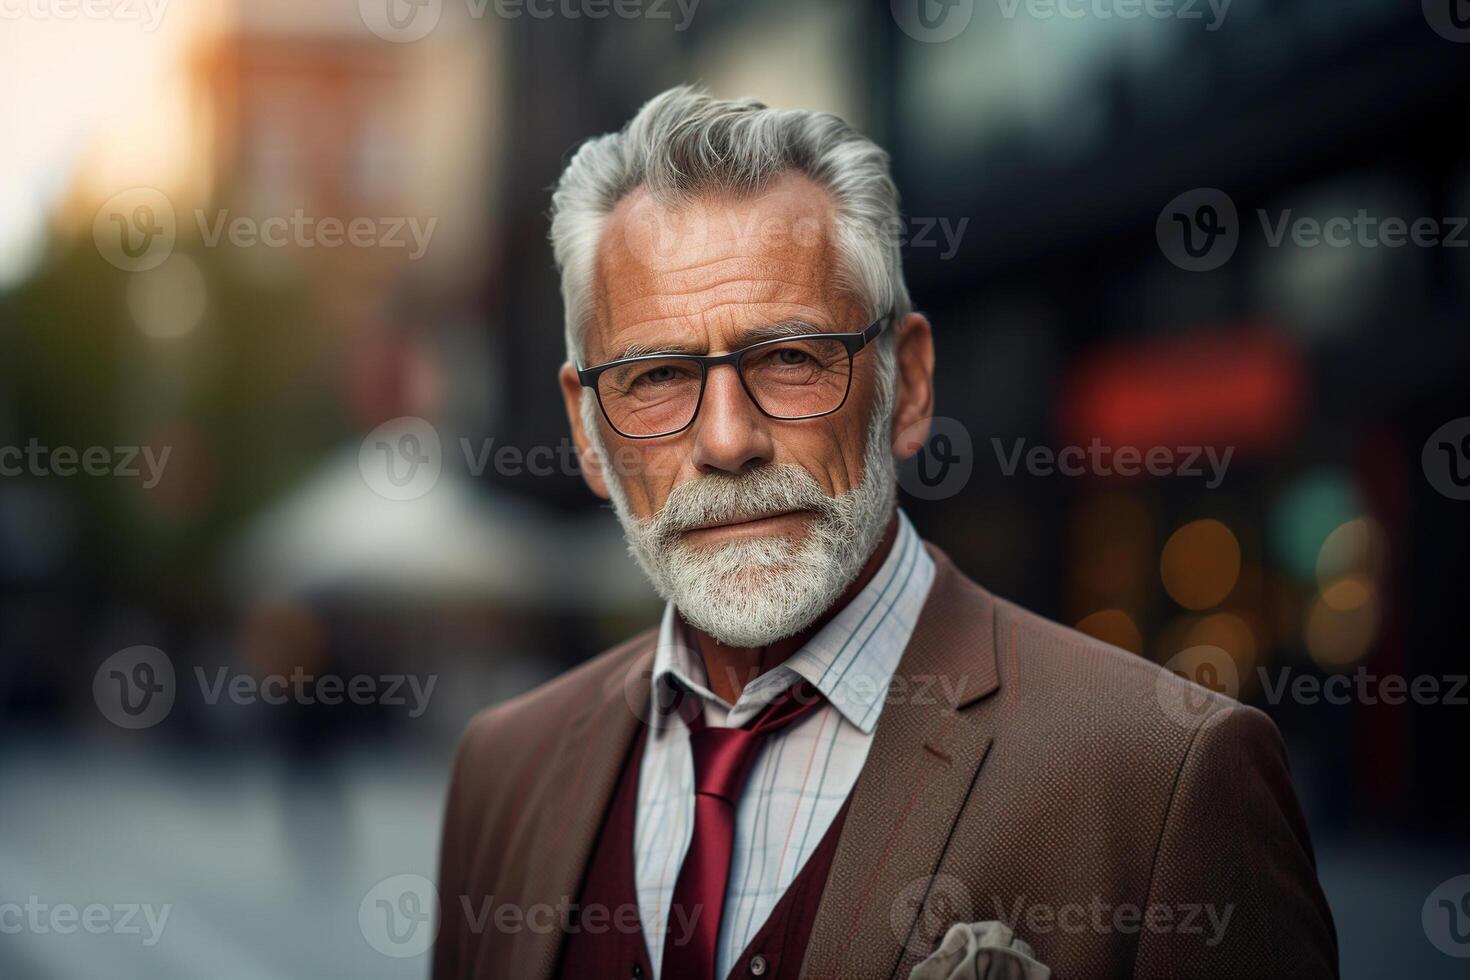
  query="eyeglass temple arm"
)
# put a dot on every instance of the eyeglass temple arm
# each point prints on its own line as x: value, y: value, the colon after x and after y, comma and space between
x: 877, y: 327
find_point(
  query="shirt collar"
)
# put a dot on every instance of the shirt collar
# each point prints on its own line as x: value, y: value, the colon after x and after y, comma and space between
x: 851, y: 659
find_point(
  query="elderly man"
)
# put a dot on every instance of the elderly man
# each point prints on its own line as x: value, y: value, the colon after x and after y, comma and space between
x: 836, y: 756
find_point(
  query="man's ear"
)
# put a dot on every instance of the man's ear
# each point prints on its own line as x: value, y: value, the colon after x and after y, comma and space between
x: 913, y: 406
x: 592, y: 462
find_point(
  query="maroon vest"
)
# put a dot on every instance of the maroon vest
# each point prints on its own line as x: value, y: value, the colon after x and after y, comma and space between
x: 605, y: 938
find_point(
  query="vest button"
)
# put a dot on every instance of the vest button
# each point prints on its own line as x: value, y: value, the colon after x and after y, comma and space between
x: 637, y: 971
x: 758, y: 965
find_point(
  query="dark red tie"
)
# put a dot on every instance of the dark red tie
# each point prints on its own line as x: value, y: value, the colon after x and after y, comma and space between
x: 722, y: 761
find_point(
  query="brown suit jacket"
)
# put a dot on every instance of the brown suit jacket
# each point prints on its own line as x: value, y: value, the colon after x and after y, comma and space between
x: 1124, y: 822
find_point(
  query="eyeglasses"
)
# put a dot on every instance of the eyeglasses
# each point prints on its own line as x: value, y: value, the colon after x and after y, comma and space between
x: 800, y: 377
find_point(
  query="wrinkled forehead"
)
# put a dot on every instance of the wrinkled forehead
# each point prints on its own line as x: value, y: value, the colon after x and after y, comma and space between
x: 693, y: 271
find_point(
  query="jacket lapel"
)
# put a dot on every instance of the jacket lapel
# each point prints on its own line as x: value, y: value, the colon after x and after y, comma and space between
x: 923, y: 762
x: 564, y: 809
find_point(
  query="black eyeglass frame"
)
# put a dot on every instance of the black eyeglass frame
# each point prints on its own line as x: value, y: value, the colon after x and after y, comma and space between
x: 854, y: 342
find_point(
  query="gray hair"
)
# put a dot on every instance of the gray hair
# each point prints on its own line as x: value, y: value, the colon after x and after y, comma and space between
x: 683, y: 142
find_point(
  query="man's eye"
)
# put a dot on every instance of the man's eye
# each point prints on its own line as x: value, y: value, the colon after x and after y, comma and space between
x: 791, y: 357
x: 658, y: 375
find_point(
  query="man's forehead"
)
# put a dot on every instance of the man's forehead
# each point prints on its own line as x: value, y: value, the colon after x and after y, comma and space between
x: 681, y: 267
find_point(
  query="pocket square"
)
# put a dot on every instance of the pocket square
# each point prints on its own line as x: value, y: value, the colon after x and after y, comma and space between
x: 981, y: 951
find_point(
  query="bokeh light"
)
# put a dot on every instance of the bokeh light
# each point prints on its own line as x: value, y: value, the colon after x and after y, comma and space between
x: 1342, y: 623
x: 1228, y: 631
x: 1356, y: 547
x: 169, y: 301
x: 1200, y: 564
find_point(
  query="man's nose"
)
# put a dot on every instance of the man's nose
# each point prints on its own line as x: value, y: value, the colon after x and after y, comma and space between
x: 730, y: 432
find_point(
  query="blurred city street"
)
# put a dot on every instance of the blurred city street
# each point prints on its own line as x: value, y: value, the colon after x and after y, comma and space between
x: 262, y: 862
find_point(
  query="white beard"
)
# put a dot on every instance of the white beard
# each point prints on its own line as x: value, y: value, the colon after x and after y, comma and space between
x: 752, y: 593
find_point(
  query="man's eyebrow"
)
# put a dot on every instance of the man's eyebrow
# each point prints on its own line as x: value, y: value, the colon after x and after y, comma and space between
x: 773, y: 331
x: 640, y: 350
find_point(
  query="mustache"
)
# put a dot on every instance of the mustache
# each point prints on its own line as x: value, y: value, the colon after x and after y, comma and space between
x: 726, y: 497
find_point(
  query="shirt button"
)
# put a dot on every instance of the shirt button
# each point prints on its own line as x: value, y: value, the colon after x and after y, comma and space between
x: 758, y: 965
